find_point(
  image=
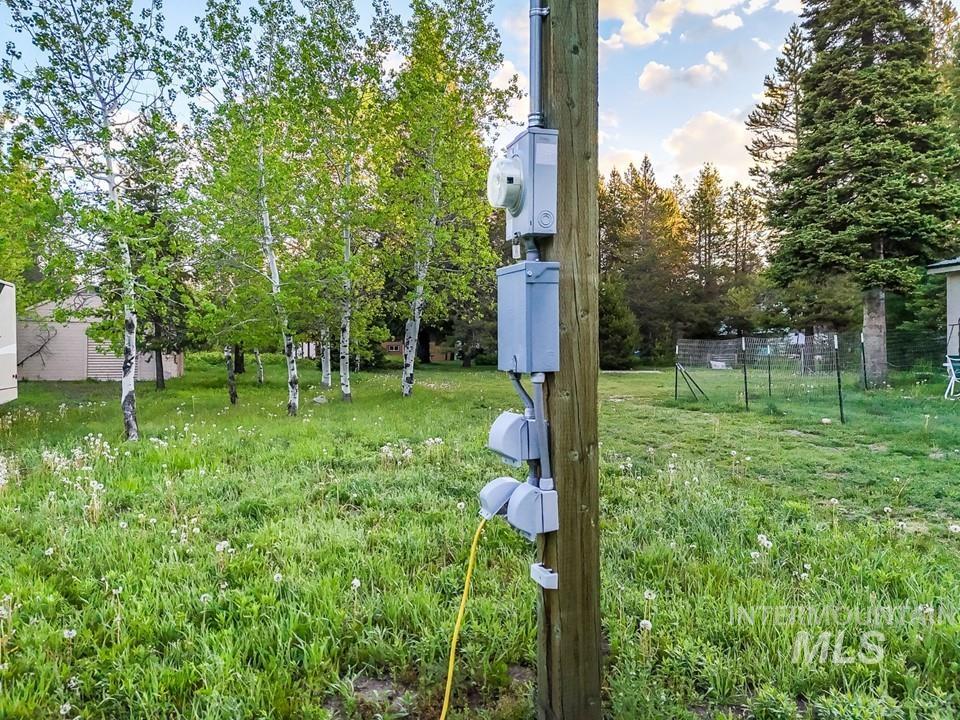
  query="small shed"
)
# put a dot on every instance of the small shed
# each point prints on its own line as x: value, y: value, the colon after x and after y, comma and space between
x: 8, y: 343
x: 951, y: 268
x: 50, y: 350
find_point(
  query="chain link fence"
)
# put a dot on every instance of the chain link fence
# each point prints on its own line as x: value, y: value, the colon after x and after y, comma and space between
x: 821, y: 367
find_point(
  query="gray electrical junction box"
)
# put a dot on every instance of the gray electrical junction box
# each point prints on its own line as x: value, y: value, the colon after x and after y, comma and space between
x: 528, y: 317
x: 535, y: 150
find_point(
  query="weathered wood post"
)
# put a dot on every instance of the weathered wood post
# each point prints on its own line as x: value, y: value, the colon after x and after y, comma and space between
x: 569, y: 618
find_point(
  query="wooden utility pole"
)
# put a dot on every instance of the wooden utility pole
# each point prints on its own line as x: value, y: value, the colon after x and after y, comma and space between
x: 569, y: 618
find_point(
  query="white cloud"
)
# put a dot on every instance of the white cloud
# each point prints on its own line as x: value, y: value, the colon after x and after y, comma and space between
x: 609, y: 119
x: 789, y: 6
x: 706, y: 72
x: 516, y: 26
x: 755, y: 6
x: 660, y: 19
x: 762, y: 44
x: 619, y: 158
x: 655, y: 77
x: 730, y: 21
x: 717, y: 60
x: 519, y: 107
x: 714, y: 138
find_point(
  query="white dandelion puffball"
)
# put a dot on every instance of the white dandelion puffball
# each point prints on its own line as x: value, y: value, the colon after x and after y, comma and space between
x: 955, y: 529
x: 69, y: 634
x: 649, y: 595
x: 355, y: 583
x: 646, y: 625
x: 277, y: 577
x: 826, y: 421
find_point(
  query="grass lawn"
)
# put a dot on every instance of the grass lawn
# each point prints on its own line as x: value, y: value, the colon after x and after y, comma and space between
x: 241, y: 564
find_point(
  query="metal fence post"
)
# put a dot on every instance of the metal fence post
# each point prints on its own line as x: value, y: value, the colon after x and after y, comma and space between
x: 769, y: 371
x: 836, y: 357
x: 676, y: 374
x: 746, y: 389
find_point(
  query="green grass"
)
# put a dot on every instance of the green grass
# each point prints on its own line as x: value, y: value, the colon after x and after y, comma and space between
x: 339, y: 595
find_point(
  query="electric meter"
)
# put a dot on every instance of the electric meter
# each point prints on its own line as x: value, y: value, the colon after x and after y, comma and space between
x: 505, y: 184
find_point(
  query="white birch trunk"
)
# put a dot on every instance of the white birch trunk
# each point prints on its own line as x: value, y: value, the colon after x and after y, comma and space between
x: 128, y: 392
x: 289, y: 351
x: 326, y: 372
x: 256, y: 354
x: 346, y: 304
x: 412, y: 330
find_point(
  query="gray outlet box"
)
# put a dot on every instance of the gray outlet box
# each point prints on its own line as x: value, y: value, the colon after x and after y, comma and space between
x: 537, y: 152
x: 528, y: 317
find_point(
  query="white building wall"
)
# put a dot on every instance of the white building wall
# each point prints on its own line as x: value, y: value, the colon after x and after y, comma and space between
x: 8, y: 343
x: 953, y: 313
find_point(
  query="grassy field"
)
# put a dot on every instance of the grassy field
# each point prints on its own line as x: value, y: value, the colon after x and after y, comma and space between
x: 241, y: 564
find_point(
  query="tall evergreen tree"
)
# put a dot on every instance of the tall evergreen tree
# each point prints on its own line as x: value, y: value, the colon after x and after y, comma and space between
x: 775, y: 122
x: 871, y: 190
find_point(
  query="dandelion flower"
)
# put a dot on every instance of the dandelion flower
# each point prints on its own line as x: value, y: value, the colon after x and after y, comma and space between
x: 277, y: 577
x: 754, y: 555
x: 123, y: 524
x: 69, y: 634
x: 48, y: 552
x: 355, y: 583
x: 649, y: 595
x: 834, y: 502
x: 955, y: 529
x: 646, y: 625
x: 461, y: 505
x: 888, y: 510
x: 65, y: 709
x: 205, y: 598
x: 222, y: 546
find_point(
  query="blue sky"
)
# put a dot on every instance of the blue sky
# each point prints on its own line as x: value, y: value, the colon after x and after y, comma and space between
x: 677, y: 77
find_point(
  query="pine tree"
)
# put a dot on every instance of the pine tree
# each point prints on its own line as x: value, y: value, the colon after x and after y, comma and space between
x: 775, y: 121
x: 871, y: 190
x: 618, y: 326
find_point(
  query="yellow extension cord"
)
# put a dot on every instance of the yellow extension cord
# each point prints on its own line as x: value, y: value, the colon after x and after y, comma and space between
x: 471, y: 563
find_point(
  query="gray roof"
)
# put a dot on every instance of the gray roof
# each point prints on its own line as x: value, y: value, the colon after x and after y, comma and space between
x: 944, y: 266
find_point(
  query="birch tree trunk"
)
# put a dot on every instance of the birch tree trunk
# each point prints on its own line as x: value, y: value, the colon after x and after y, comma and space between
x: 128, y: 391
x: 412, y: 330
x: 326, y: 373
x: 875, y: 336
x: 256, y: 354
x: 346, y: 305
x: 231, y: 375
x: 269, y: 254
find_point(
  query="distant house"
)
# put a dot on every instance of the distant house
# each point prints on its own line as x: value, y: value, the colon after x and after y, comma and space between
x: 8, y: 343
x: 49, y: 350
x: 438, y: 352
x: 951, y: 268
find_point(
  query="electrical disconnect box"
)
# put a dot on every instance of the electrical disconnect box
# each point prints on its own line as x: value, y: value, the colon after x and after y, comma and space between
x: 528, y: 317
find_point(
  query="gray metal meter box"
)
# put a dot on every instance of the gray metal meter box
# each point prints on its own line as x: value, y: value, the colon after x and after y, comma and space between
x: 528, y: 317
x: 536, y: 150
